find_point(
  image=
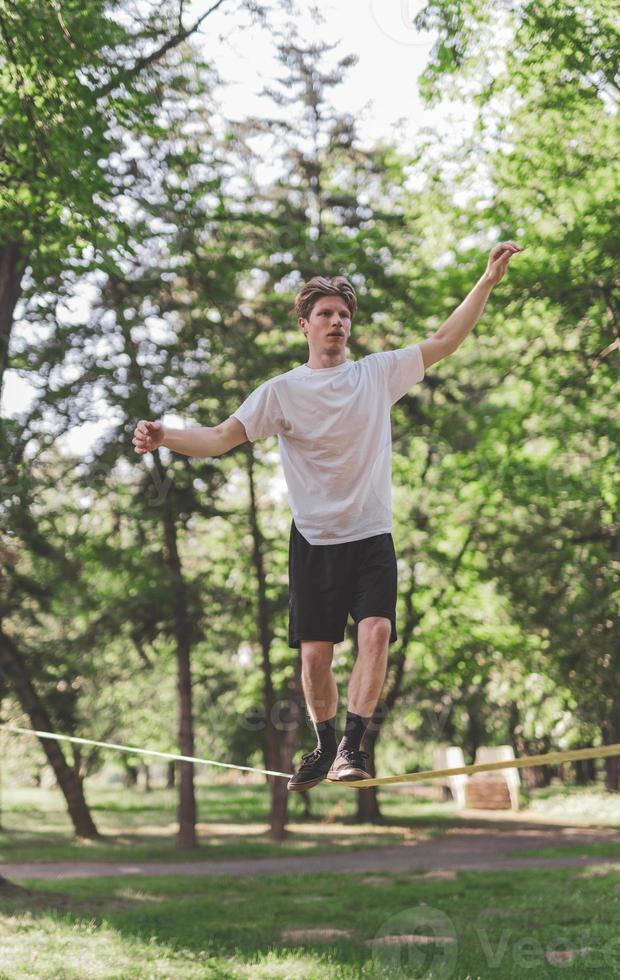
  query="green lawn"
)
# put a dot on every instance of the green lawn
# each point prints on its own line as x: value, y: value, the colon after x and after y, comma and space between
x: 493, y: 924
x: 487, y: 925
x: 590, y: 804
x: 602, y: 849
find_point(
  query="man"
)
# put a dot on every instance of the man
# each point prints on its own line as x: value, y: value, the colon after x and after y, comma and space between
x: 332, y: 419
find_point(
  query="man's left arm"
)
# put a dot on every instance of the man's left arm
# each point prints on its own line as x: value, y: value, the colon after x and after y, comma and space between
x: 453, y: 331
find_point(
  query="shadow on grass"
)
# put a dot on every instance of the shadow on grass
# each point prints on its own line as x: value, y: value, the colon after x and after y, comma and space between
x: 237, y: 927
x: 215, y: 843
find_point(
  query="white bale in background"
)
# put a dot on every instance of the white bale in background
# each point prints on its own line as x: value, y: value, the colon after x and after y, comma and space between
x: 502, y: 753
x: 451, y: 757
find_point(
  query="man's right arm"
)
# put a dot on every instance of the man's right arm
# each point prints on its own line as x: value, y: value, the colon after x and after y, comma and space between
x: 203, y: 442
x: 206, y: 441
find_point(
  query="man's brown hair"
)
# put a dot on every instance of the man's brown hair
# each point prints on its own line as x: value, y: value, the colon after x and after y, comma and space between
x: 320, y: 286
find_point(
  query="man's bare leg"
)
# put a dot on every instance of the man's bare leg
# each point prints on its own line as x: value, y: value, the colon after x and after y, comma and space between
x: 321, y: 695
x: 365, y: 684
x: 368, y: 674
x: 317, y: 679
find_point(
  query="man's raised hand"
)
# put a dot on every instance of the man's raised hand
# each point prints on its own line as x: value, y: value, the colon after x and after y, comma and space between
x: 148, y: 436
x: 498, y: 261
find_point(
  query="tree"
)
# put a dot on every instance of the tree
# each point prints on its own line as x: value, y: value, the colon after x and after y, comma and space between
x: 73, y: 78
x: 550, y: 120
x: 71, y: 81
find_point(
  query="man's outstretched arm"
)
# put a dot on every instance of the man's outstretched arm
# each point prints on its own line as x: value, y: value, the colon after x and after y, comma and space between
x: 455, y: 329
x: 205, y: 441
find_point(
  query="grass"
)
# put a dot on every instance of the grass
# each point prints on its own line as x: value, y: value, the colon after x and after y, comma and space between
x: 503, y: 925
x: 497, y: 925
x: 602, y: 849
x: 590, y: 804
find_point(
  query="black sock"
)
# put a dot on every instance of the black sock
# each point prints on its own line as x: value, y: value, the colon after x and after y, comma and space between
x: 326, y: 734
x: 354, y: 728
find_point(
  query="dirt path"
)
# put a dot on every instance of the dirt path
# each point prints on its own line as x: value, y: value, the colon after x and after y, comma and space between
x: 463, y: 848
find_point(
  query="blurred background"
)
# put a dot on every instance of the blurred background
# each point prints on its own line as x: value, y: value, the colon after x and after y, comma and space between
x: 170, y: 174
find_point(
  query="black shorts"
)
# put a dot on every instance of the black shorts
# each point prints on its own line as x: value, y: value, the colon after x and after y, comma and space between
x: 329, y: 581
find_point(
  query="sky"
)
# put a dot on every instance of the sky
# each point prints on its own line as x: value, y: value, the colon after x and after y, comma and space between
x: 381, y: 90
x: 391, y: 55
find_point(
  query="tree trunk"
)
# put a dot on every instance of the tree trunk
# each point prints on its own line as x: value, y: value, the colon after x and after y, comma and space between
x: 537, y: 777
x: 145, y: 777
x: 289, y: 722
x: 367, y: 799
x: 70, y: 783
x: 130, y: 776
x: 186, y: 811
x: 476, y: 734
x: 183, y: 634
x: 307, y: 803
x: 187, y: 799
x: 515, y: 729
x: 171, y: 775
x: 585, y: 771
x: 275, y: 748
x: 612, y: 774
x: 610, y: 731
x: 12, y: 265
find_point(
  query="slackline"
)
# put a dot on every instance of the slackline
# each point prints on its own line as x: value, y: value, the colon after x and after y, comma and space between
x: 136, y: 751
x: 547, y: 759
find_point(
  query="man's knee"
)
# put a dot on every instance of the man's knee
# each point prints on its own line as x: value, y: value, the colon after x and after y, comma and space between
x: 379, y: 628
x: 316, y: 654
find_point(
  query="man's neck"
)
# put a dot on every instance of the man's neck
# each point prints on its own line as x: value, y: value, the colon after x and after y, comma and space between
x: 327, y: 364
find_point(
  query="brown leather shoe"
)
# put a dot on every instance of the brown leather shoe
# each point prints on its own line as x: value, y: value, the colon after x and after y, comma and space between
x: 312, y: 770
x: 349, y: 764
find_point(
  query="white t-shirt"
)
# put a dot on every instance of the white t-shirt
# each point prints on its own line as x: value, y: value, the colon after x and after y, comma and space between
x: 335, y: 438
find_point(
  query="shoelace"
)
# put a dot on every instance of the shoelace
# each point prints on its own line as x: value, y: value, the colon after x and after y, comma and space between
x: 354, y: 755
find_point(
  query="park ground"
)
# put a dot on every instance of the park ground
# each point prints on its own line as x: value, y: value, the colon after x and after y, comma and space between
x: 407, y: 903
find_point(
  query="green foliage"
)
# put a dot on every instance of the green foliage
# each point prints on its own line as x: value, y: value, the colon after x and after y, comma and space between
x: 505, y: 489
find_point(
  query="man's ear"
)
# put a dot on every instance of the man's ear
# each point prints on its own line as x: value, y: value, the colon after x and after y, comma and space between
x: 302, y: 321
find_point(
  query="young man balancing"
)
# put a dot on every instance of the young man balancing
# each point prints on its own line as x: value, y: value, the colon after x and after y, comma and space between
x: 332, y: 419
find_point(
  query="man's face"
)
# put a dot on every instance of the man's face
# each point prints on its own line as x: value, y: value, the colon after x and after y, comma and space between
x: 329, y: 326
